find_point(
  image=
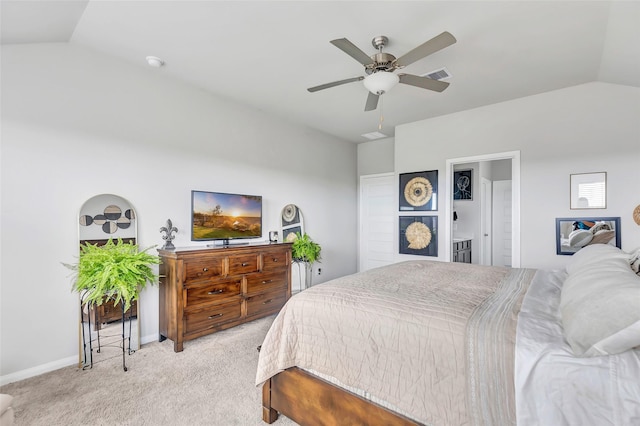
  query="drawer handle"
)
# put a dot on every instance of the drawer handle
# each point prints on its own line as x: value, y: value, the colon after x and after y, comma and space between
x: 266, y: 281
x: 267, y: 301
x: 216, y: 291
x: 205, y: 269
x: 245, y: 264
x: 215, y: 316
x: 275, y: 259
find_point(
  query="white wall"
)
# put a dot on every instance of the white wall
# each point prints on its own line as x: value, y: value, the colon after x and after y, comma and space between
x: 375, y: 157
x: 588, y: 128
x: 76, y: 124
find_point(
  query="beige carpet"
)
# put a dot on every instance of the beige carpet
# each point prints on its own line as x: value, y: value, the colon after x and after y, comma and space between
x: 210, y: 383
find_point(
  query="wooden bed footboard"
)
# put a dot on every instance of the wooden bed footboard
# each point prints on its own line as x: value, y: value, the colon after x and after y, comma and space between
x: 310, y: 400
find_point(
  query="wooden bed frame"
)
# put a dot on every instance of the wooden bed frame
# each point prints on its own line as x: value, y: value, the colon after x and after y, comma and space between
x: 310, y: 400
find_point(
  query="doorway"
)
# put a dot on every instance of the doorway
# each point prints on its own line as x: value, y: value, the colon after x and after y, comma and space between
x: 484, y: 219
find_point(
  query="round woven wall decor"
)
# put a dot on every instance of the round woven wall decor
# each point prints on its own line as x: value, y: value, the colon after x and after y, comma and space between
x: 418, y: 191
x: 636, y: 214
x: 418, y: 235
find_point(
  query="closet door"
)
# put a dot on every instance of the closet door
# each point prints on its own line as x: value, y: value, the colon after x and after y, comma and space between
x: 378, y: 207
x: 502, y: 212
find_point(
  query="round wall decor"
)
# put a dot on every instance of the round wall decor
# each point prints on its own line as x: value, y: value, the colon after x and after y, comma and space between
x: 289, y: 213
x: 418, y: 191
x: 418, y: 235
x: 636, y: 214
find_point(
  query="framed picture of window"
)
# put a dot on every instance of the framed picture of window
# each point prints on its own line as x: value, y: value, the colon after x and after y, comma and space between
x: 588, y: 190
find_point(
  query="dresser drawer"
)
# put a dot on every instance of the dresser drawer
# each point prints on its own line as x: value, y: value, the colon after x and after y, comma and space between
x: 204, y: 293
x: 203, y: 269
x: 208, y: 318
x: 274, y: 260
x: 259, y: 283
x: 243, y: 264
x: 266, y: 302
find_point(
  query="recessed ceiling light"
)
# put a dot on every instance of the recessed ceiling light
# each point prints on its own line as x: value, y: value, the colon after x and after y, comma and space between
x: 154, y: 61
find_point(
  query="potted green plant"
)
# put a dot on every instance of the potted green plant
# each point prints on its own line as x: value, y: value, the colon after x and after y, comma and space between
x: 116, y: 270
x: 305, y: 250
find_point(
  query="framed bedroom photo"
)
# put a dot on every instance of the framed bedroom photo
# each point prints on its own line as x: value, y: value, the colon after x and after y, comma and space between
x: 575, y: 233
x: 419, y: 191
x: 463, y: 184
x: 419, y: 235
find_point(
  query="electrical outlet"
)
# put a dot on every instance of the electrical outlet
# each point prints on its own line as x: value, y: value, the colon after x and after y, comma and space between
x: 319, y: 271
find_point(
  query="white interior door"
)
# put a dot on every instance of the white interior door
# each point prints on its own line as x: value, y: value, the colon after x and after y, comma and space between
x: 377, y: 213
x: 486, y: 219
x: 502, y: 223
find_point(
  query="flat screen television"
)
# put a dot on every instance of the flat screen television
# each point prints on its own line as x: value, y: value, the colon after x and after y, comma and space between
x: 218, y: 216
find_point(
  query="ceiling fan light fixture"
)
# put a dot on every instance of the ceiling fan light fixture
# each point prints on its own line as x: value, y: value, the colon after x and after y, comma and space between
x: 154, y: 61
x: 380, y: 82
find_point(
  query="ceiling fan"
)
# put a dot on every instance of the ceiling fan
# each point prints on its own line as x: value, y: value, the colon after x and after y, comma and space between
x: 380, y: 67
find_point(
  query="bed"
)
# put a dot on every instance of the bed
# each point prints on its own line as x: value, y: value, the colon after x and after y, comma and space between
x: 425, y: 342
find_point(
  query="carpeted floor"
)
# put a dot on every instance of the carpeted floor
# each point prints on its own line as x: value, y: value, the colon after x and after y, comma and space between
x: 210, y: 383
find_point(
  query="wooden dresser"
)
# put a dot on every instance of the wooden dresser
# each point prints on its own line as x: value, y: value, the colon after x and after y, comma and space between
x: 204, y: 290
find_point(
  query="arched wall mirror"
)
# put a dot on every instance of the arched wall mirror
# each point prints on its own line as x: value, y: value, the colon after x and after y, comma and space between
x: 291, y: 222
x: 102, y: 218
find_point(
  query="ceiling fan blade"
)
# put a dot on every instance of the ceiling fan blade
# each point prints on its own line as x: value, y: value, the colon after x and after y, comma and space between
x: 334, y: 83
x: 423, y: 82
x: 439, y: 42
x: 372, y: 102
x: 352, y: 50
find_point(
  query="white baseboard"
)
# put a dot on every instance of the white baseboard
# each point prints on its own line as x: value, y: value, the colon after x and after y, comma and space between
x: 36, y: 371
x: 55, y: 365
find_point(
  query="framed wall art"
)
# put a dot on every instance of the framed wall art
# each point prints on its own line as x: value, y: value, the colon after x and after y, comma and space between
x: 574, y: 233
x: 419, y: 235
x: 419, y: 191
x: 463, y: 184
x: 588, y: 190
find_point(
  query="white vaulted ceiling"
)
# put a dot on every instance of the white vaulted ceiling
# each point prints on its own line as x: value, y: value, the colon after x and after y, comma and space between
x: 265, y: 54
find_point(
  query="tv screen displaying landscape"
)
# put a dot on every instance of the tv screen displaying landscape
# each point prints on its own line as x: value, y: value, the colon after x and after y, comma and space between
x: 221, y: 216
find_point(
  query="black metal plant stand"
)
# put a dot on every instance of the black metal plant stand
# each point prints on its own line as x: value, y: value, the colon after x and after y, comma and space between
x: 87, y: 341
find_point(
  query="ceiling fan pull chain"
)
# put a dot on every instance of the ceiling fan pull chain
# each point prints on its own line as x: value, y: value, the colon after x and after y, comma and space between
x: 381, y: 112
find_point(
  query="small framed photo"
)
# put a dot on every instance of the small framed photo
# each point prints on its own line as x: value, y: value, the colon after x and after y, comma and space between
x: 289, y: 234
x: 588, y: 191
x: 419, y: 191
x: 463, y: 184
x: 419, y: 235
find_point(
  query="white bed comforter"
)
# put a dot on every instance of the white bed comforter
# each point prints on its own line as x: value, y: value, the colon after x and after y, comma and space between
x: 553, y: 387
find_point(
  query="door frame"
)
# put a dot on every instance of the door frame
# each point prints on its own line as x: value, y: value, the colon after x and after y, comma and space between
x: 514, y: 156
x: 486, y: 228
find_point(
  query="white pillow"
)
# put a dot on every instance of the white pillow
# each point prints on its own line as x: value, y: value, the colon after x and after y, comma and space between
x: 592, y: 255
x: 580, y: 238
x: 634, y: 260
x: 600, y: 305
